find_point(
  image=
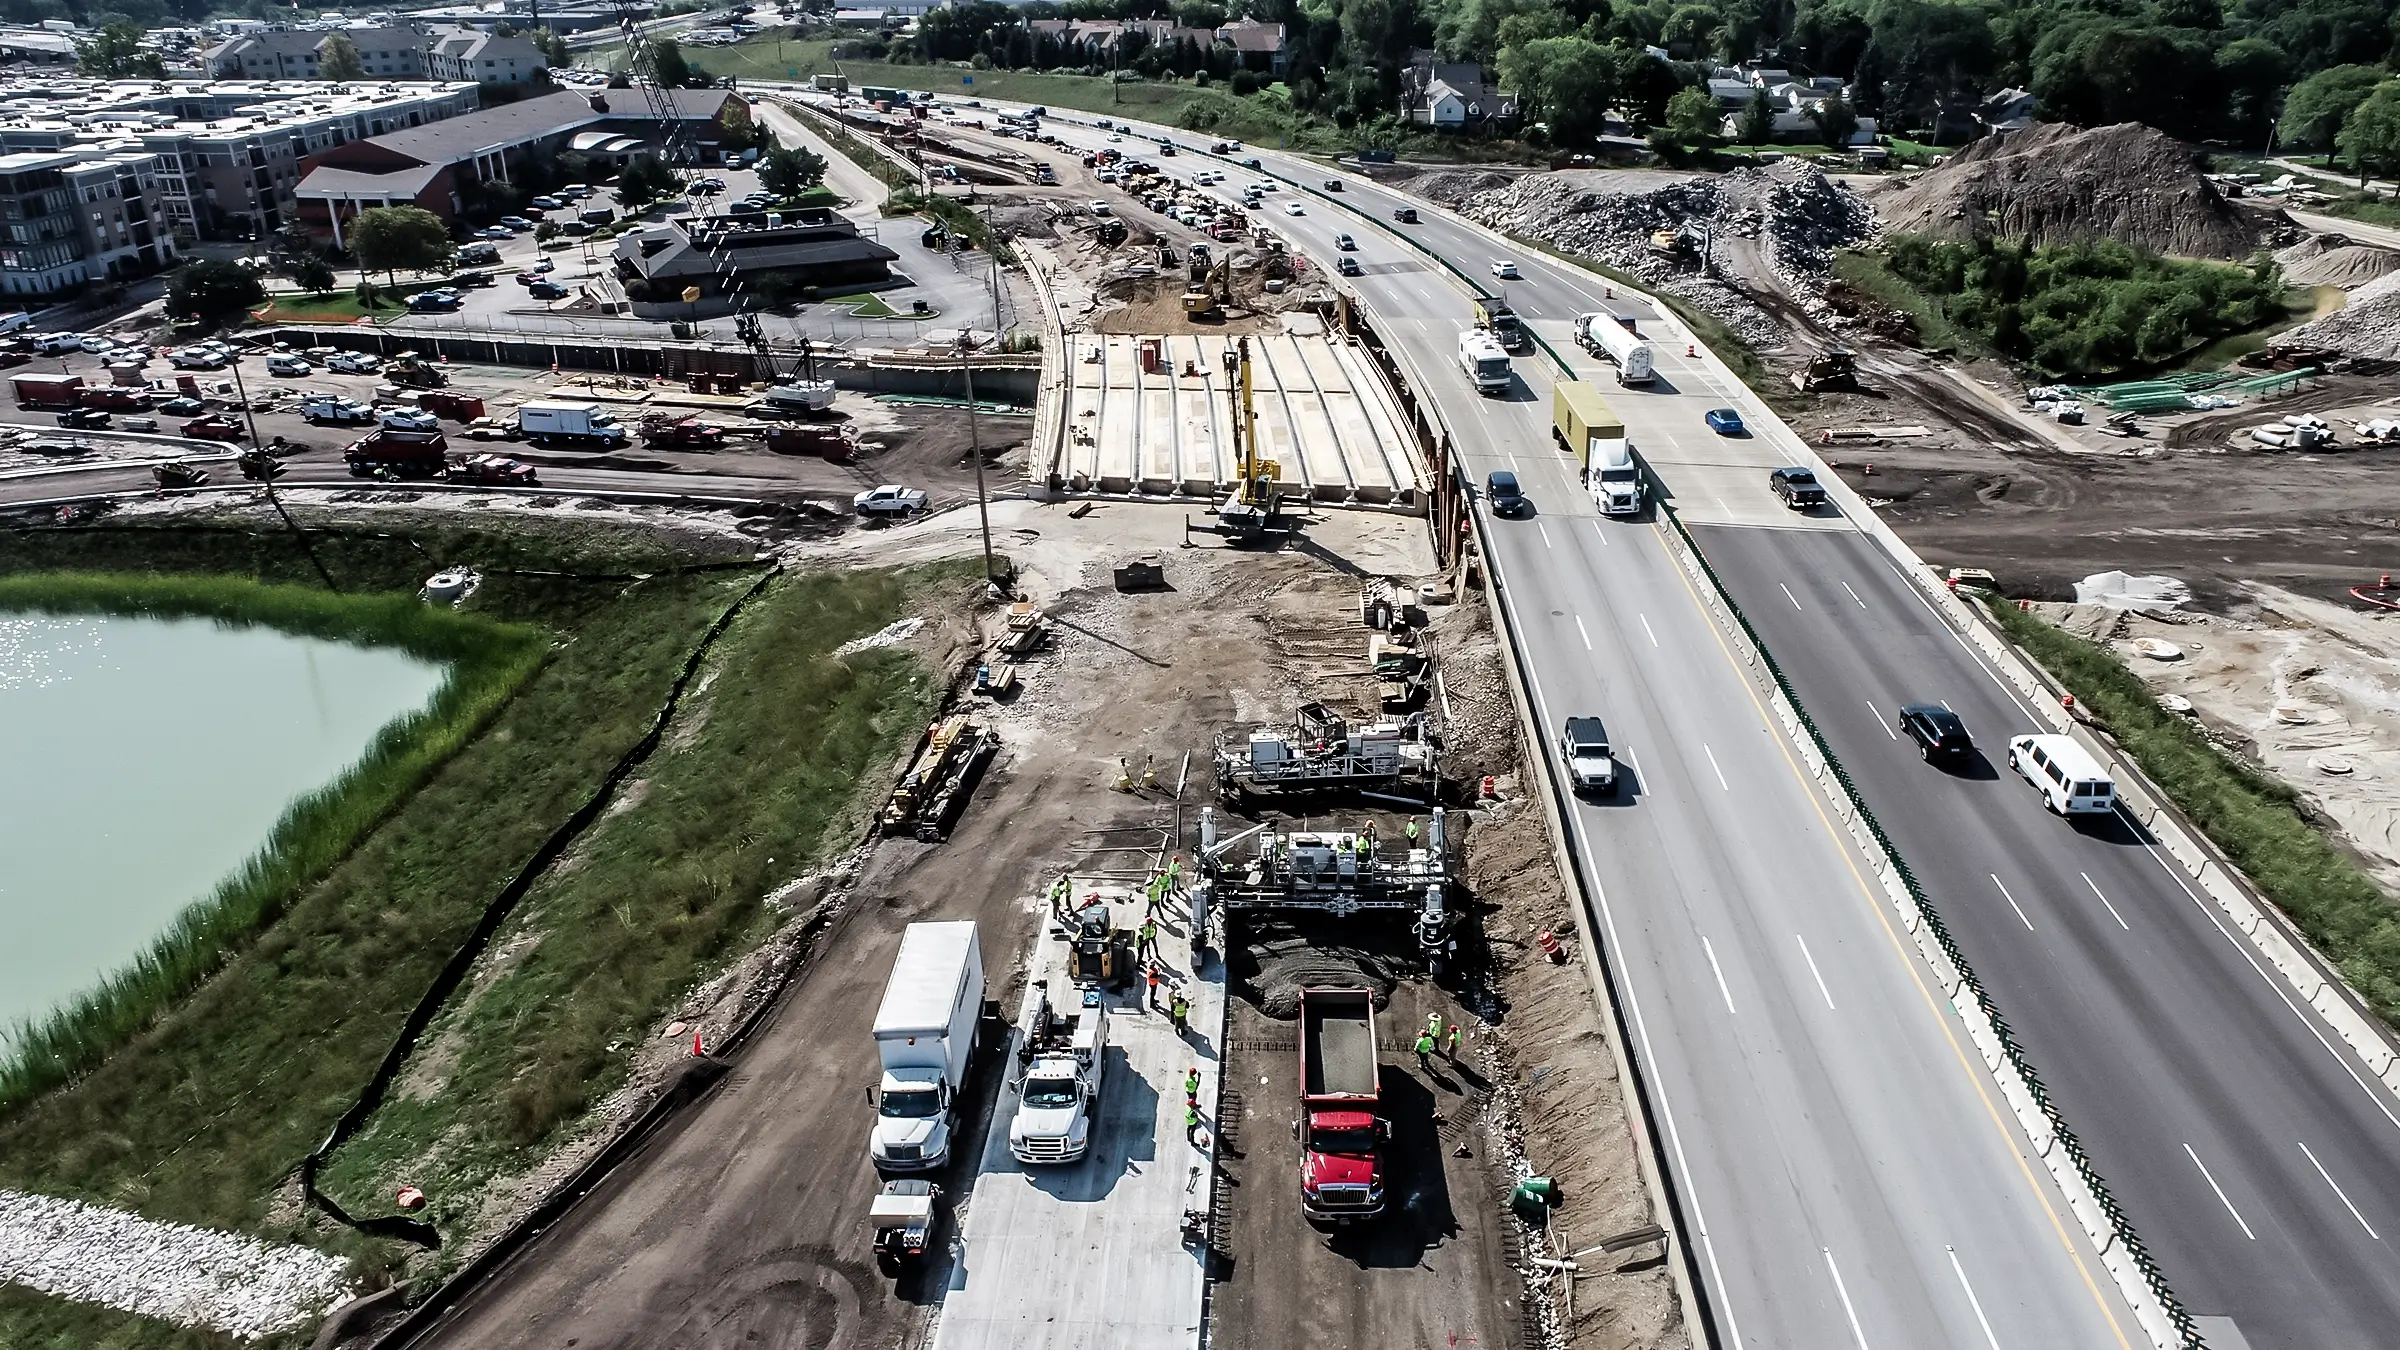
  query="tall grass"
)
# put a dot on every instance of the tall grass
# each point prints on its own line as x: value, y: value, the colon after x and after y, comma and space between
x: 2254, y: 818
x: 487, y: 660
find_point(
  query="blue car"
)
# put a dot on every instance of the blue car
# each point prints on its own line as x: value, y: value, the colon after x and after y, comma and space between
x: 1725, y: 422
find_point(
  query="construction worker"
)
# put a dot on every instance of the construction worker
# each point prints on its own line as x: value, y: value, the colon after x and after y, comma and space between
x: 1174, y: 871
x: 1191, y: 1086
x: 1179, y: 1008
x: 1153, y: 1002
x: 1453, y: 1042
x: 1150, y: 772
x: 1424, y: 1049
x: 1191, y: 1122
x: 1433, y: 1025
x: 1124, y: 775
x: 1412, y: 831
x: 1149, y: 938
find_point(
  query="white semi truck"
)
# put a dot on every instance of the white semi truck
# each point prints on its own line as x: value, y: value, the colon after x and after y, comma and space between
x: 1063, y: 1055
x: 925, y: 1032
x: 1484, y: 360
x: 1609, y: 337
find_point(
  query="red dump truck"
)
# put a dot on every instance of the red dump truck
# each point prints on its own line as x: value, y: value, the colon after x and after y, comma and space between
x: 46, y: 391
x: 449, y: 406
x: 824, y: 442
x: 403, y: 454
x: 1341, y: 1136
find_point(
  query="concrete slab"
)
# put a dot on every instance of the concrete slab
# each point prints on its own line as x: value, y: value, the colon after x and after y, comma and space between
x: 1091, y: 1255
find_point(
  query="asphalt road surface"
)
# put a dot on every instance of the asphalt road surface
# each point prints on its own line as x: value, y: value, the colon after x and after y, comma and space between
x: 2254, y: 1155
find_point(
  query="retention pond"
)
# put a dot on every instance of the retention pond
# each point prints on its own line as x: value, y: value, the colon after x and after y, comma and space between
x: 146, y: 760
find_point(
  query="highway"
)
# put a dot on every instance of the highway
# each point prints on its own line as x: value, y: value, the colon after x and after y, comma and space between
x: 2249, y: 1147
x: 1846, y: 1169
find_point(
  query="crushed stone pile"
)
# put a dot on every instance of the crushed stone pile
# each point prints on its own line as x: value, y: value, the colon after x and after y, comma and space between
x: 1795, y: 213
x: 193, y: 1277
x: 2368, y: 327
x: 2335, y: 260
x: 2053, y: 183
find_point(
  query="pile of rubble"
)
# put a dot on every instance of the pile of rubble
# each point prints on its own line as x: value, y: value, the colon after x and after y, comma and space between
x: 193, y: 1277
x: 2335, y: 260
x: 2369, y: 326
x: 2053, y: 184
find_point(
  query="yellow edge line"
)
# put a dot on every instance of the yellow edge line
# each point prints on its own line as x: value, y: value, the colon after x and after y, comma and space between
x: 1976, y: 1073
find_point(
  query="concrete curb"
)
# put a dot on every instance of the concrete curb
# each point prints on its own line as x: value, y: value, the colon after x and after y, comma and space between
x: 1965, y: 996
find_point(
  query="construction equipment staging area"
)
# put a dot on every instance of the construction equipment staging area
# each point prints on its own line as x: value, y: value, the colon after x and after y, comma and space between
x: 1110, y: 1249
x: 1154, y: 415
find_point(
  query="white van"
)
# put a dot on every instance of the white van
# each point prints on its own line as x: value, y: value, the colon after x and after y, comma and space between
x: 2071, y: 782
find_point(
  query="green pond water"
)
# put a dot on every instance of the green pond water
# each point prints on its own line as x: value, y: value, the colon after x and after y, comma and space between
x: 143, y: 760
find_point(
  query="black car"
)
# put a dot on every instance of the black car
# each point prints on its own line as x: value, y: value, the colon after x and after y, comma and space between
x: 183, y: 407
x: 1937, y: 731
x: 546, y: 290
x: 1501, y: 490
x: 92, y: 418
x: 1798, y: 487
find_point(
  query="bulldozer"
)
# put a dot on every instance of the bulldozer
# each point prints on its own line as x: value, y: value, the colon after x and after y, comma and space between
x: 410, y: 371
x: 259, y: 466
x: 1256, y: 504
x: 178, y: 474
x: 1836, y: 368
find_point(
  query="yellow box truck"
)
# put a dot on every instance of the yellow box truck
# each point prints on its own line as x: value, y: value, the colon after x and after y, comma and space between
x: 1583, y: 425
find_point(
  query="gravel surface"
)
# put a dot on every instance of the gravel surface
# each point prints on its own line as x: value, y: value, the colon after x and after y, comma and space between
x: 190, y: 1276
x: 2368, y: 326
x: 2336, y: 260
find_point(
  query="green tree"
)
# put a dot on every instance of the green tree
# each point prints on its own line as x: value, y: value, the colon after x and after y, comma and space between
x: 553, y: 47
x: 675, y: 71
x: 2250, y: 73
x: 2314, y: 109
x: 338, y: 59
x: 1692, y: 119
x: 2370, y: 135
x: 1568, y: 81
x: 643, y: 181
x: 396, y: 239
x: 788, y: 172
x: 213, y: 291
x: 1758, y: 120
x: 314, y: 275
x: 1835, y: 122
x: 116, y: 53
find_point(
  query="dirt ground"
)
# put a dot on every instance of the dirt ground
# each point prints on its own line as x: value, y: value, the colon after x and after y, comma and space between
x: 2307, y: 689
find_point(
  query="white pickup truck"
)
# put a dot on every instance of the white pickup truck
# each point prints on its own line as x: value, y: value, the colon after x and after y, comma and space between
x: 891, y: 499
x: 1063, y: 1056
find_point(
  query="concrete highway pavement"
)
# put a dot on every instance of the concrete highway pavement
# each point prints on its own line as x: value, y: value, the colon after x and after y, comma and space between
x: 2255, y: 1157
x: 1847, y: 1173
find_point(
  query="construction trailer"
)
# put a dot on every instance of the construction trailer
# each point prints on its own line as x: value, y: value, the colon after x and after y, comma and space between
x: 1276, y: 867
x: 935, y: 787
x: 1321, y: 751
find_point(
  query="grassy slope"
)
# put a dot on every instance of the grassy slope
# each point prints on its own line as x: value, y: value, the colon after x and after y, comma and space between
x: 203, y: 1118
x: 762, y: 776
x: 1867, y: 272
x: 2254, y: 818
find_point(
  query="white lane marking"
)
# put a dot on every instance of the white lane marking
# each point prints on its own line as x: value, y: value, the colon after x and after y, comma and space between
x: 1710, y: 948
x: 1587, y: 637
x: 1812, y: 969
x: 2337, y: 1190
x: 2212, y: 1185
x: 1627, y: 756
x: 1712, y: 764
x: 2112, y: 909
x: 1787, y: 594
x: 1545, y: 534
x: 1647, y: 628
x: 1887, y: 727
x: 1844, y: 1291
x: 1862, y: 605
x: 1512, y: 463
x: 1602, y: 530
x: 1972, y: 1301
x: 2012, y: 900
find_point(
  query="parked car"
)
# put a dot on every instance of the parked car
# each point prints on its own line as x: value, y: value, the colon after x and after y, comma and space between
x: 409, y: 419
x: 1503, y: 494
x: 51, y: 344
x: 213, y: 427
x: 97, y: 343
x: 516, y: 222
x: 88, y: 419
x: 288, y: 364
x: 1506, y: 270
x: 432, y: 302
x: 1938, y: 732
x: 182, y: 407
x: 708, y: 187
x: 528, y: 277
x: 1725, y: 422
x: 197, y: 358
x: 1100, y: 209
x: 545, y: 289
x: 495, y: 232
x: 354, y: 363
x: 545, y: 267
x: 494, y: 469
x: 891, y: 499
x: 1798, y: 487
x: 546, y: 204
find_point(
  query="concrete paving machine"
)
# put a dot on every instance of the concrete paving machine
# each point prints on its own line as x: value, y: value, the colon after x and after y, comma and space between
x: 1322, y: 751
x: 1340, y: 873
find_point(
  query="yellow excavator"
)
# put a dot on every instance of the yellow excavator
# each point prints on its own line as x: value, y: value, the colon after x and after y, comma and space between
x: 1211, y: 290
x: 1258, y: 481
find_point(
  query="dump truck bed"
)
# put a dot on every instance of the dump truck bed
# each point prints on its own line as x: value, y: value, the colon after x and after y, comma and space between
x: 1337, y: 1043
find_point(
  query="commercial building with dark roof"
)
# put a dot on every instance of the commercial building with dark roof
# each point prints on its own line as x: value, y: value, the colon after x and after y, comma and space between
x: 434, y: 166
x: 754, y: 258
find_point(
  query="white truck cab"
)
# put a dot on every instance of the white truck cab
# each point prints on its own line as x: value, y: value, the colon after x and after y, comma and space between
x: 1615, y: 481
x: 1058, y: 1098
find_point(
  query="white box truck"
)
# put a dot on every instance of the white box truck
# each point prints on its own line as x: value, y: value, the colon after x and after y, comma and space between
x: 1484, y: 360
x: 575, y: 425
x: 1610, y: 338
x: 925, y: 1031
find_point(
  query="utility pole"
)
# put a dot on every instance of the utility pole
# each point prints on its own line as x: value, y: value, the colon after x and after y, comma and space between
x: 983, y: 510
x: 251, y: 420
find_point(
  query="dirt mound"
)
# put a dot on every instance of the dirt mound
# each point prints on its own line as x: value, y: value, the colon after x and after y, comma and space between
x: 2368, y: 326
x: 2333, y: 260
x: 1452, y: 186
x: 2054, y: 183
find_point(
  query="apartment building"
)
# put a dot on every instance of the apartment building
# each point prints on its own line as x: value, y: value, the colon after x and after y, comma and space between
x: 396, y: 52
x: 228, y: 152
x: 120, y: 205
x: 465, y: 54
